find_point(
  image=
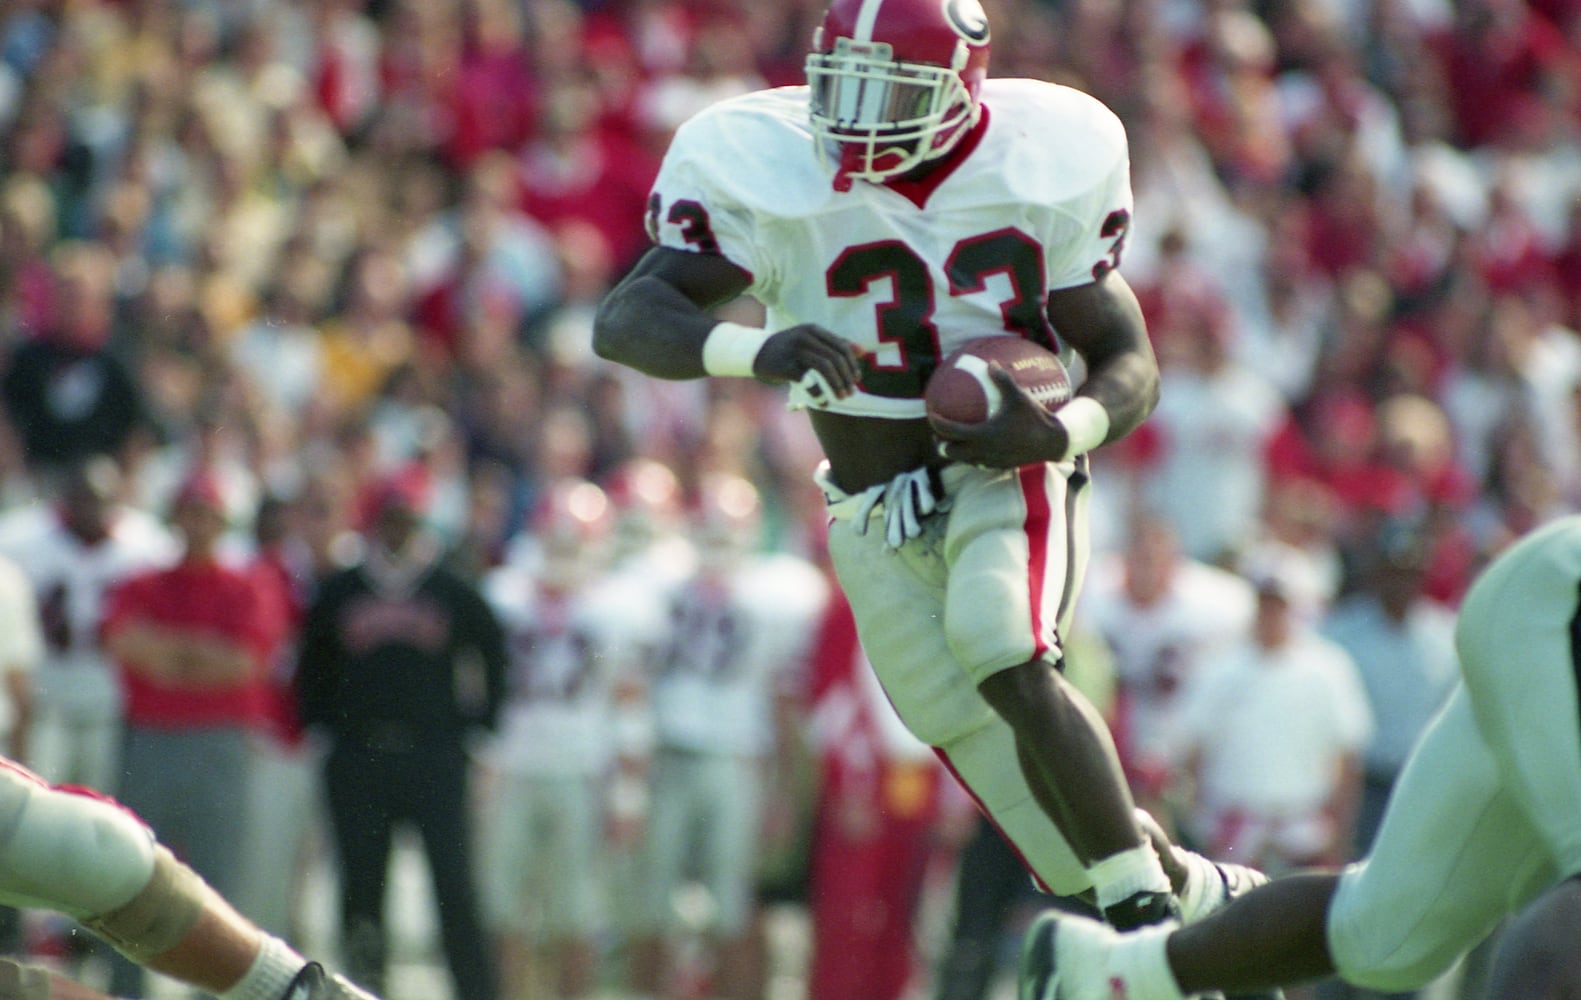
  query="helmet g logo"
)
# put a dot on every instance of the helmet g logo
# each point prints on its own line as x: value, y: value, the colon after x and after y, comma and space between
x: 968, y: 20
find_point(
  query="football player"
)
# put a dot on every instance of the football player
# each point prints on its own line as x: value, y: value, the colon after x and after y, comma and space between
x: 77, y: 852
x: 897, y: 205
x: 568, y: 759
x: 1485, y: 819
x: 723, y: 709
x: 75, y: 546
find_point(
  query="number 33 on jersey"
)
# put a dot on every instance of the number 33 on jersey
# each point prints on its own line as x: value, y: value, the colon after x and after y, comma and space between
x: 907, y: 271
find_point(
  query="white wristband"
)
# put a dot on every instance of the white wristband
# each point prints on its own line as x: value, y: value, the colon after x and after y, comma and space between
x: 1086, y: 424
x: 731, y: 348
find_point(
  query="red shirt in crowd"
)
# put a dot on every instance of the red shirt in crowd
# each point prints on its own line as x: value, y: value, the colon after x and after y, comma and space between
x: 201, y: 597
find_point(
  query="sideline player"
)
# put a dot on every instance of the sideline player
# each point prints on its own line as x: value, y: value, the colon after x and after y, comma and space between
x: 896, y: 206
x: 1486, y: 817
x: 80, y: 853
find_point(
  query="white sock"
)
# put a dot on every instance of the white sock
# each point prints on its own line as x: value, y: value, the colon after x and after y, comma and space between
x: 1204, y: 891
x: 1121, y: 876
x: 1140, y: 961
x: 271, y: 972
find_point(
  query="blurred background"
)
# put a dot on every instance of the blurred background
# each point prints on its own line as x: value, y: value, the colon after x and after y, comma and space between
x: 293, y: 262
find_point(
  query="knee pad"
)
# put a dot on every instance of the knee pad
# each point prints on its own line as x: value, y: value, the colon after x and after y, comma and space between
x: 68, y: 851
x: 158, y: 916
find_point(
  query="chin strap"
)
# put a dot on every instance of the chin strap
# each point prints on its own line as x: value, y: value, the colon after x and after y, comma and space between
x: 843, y: 180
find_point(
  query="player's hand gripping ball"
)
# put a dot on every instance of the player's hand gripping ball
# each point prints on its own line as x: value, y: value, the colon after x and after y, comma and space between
x: 962, y: 390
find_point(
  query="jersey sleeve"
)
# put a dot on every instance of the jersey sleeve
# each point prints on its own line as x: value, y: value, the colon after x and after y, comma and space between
x: 694, y: 205
x: 1095, y: 220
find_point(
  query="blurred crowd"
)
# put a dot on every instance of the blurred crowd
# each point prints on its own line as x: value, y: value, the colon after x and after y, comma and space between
x: 291, y: 262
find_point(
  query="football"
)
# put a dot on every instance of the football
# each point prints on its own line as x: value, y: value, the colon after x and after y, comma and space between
x: 961, y: 389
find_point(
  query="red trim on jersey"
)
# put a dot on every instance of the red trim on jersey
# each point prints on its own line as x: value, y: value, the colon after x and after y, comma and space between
x: 1034, y: 492
x: 950, y: 766
x: 918, y: 190
x: 23, y: 772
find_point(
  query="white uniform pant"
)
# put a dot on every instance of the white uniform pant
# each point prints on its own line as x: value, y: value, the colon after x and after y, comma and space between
x: 1487, y: 813
x: 543, y: 855
x: 704, y: 817
x: 988, y: 585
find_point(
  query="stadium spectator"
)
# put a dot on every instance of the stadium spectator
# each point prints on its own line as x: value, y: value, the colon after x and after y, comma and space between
x: 1403, y: 645
x: 284, y: 817
x: 66, y: 394
x: 1271, y: 737
x: 1214, y: 422
x: 1165, y: 618
x: 194, y: 643
x: 401, y: 664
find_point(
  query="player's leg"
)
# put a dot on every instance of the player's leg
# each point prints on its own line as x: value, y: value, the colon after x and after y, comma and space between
x: 1519, y: 640
x: 1017, y: 551
x: 362, y: 827
x: 898, y: 602
x: 728, y: 846
x: 507, y: 850
x: 441, y: 809
x: 1453, y: 851
x: 1536, y: 957
x: 87, y: 857
x: 572, y: 911
x: 676, y: 786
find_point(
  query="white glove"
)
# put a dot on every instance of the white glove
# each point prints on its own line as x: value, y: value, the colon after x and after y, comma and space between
x: 907, y: 499
x: 812, y: 389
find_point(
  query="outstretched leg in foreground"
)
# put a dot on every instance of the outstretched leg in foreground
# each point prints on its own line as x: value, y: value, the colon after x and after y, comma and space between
x: 85, y: 856
x: 1536, y: 957
x: 1065, y: 752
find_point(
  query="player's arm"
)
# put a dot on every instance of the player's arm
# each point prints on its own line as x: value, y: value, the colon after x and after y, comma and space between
x: 1103, y: 321
x: 658, y: 321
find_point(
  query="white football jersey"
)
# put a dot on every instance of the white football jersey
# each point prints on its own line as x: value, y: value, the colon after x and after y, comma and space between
x: 69, y: 582
x: 569, y: 653
x: 1042, y: 202
x: 732, y: 642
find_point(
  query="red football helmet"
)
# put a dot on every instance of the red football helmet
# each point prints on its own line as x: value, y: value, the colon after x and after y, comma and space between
x: 895, y: 83
x: 572, y: 523
x: 647, y: 499
x: 726, y: 517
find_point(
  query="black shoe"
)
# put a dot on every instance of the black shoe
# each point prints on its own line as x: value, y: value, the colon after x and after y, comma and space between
x: 313, y: 983
x: 308, y: 984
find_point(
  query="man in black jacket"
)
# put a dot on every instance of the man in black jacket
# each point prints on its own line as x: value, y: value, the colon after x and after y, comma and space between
x: 66, y: 394
x: 401, y: 662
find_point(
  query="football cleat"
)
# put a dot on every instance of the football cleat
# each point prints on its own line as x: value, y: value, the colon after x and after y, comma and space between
x: 1066, y: 957
x: 314, y: 983
x: 1069, y: 957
